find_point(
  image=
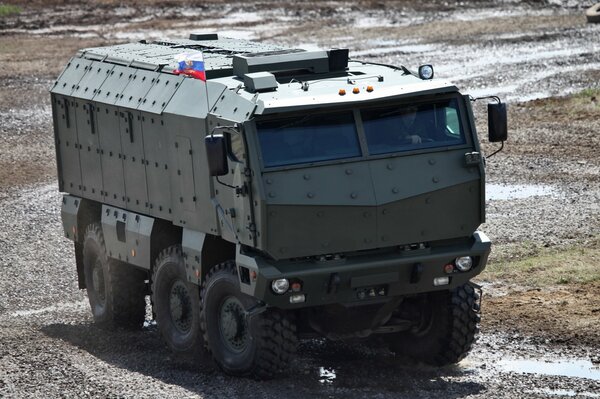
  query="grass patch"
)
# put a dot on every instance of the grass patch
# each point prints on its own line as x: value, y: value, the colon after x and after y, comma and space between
x: 588, y: 93
x: 579, y: 106
x: 6, y: 10
x: 549, y: 267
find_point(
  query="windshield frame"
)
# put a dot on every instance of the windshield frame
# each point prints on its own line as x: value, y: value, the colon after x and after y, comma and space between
x: 466, y: 126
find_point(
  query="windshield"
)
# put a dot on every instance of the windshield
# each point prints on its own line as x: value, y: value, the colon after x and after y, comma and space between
x: 409, y: 127
x: 311, y: 138
x: 386, y: 129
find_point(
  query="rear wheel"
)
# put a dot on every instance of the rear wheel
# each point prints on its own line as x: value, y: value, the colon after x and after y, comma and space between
x: 116, y: 291
x: 259, y: 346
x: 447, y: 328
x: 176, y: 303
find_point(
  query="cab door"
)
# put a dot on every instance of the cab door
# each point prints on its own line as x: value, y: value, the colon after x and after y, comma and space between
x: 232, y: 192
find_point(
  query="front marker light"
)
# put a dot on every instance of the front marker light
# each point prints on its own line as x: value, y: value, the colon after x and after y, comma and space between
x: 280, y: 286
x: 464, y: 263
x: 426, y: 72
x: 441, y: 281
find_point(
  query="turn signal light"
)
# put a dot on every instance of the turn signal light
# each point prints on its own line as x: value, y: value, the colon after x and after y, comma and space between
x: 441, y: 281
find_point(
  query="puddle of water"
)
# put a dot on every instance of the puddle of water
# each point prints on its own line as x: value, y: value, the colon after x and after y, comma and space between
x: 495, y: 192
x: 566, y: 368
x: 326, y: 375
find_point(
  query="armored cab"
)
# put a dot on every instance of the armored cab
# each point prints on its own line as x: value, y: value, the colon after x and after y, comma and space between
x: 289, y: 194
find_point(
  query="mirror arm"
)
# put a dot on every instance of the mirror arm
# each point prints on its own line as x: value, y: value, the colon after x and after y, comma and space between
x: 243, y: 190
x: 495, y: 152
x: 473, y: 99
x: 230, y: 128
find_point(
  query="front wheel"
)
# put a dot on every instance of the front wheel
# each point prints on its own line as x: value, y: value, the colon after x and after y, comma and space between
x: 259, y: 346
x: 447, y: 328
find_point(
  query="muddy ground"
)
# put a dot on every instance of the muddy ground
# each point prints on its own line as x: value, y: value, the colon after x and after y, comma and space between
x: 543, y: 198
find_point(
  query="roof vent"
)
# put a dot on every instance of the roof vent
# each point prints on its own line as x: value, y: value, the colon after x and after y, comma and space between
x: 204, y: 36
x: 260, y: 81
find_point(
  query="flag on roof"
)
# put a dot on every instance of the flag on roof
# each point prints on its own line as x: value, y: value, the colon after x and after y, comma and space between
x: 191, y: 64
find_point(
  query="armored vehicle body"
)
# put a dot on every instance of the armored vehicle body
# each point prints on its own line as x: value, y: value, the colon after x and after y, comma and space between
x: 278, y: 194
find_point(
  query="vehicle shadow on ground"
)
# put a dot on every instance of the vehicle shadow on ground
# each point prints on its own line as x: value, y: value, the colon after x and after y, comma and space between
x: 322, y: 368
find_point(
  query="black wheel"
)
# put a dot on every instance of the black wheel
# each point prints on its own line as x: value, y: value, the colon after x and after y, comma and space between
x: 116, y: 291
x: 260, y: 346
x: 176, y: 303
x: 447, y: 328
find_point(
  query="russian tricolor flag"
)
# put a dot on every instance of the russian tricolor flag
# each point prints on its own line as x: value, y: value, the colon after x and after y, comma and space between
x: 191, y: 64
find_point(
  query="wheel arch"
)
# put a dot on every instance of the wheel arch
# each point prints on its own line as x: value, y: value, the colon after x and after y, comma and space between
x: 202, y: 251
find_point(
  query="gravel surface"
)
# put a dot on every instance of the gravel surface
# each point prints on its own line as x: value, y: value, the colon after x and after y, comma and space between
x: 544, y: 192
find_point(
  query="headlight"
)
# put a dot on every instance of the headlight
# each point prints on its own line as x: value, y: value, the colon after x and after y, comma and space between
x: 280, y: 286
x: 464, y: 263
x: 426, y: 72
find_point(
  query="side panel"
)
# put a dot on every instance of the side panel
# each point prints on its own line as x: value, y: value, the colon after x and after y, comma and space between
x: 139, y: 84
x: 192, y: 243
x: 112, y: 87
x: 68, y: 215
x: 89, y: 150
x: 109, y: 134
x: 90, y: 83
x: 127, y: 236
x: 156, y: 146
x: 185, y: 173
x: 185, y: 116
x: 193, y: 178
x: 71, y: 76
x: 134, y: 164
x: 67, y: 144
x: 160, y: 94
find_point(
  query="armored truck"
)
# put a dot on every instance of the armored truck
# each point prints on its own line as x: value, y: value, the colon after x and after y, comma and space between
x: 284, y: 194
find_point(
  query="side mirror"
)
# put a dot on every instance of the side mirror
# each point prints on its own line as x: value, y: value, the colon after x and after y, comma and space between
x: 216, y: 154
x: 497, y: 123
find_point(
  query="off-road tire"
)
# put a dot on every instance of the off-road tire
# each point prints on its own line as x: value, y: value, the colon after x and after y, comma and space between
x: 271, y: 342
x: 452, y: 328
x: 176, y: 303
x: 593, y: 13
x: 116, y: 291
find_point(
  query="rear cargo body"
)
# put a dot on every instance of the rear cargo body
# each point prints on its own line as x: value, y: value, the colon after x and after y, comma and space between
x: 344, y: 183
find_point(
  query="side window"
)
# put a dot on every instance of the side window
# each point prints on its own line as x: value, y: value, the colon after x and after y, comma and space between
x: 236, y: 147
x: 452, y: 122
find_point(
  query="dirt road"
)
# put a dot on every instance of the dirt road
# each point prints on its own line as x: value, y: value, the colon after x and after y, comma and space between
x: 540, y: 336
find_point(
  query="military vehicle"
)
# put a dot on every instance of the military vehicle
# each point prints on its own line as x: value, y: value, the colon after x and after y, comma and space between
x: 290, y: 194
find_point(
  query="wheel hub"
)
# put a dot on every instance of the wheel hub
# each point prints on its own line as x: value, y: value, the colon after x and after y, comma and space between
x: 232, y: 324
x: 180, y: 304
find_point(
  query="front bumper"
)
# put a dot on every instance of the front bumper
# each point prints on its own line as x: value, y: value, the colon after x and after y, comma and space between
x: 353, y: 280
